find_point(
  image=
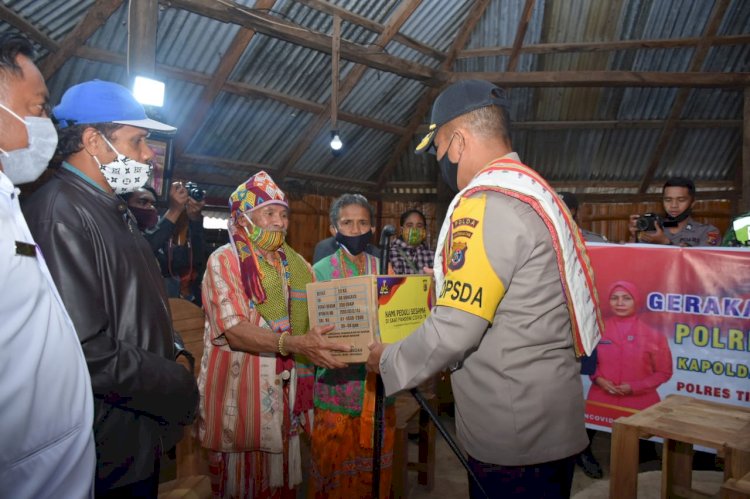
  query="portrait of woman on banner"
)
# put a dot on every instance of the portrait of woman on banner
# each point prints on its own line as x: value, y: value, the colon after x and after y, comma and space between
x: 633, y: 358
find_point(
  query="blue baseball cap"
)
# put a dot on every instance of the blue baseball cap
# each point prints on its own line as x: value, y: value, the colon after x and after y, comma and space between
x: 458, y: 99
x: 98, y: 101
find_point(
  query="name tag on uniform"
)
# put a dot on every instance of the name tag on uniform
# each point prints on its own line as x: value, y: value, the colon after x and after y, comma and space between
x: 25, y: 249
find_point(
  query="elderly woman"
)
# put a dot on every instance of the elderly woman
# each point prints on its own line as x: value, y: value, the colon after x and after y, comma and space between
x: 345, y: 398
x: 633, y: 359
x: 253, y: 396
x: 409, y: 253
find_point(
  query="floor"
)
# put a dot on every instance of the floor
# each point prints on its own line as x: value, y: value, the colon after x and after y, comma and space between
x: 451, y: 480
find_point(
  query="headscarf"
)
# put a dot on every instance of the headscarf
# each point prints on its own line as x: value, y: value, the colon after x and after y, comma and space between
x: 632, y: 291
x: 259, y: 190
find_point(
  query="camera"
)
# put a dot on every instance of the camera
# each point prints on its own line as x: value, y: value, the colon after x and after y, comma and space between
x: 194, y: 191
x: 647, y: 222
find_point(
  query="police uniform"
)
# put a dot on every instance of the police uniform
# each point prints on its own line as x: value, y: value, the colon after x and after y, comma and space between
x: 593, y: 237
x: 694, y: 234
x: 518, y: 389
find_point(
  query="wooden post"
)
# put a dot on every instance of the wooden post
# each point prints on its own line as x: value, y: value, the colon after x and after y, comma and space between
x: 335, y: 70
x: 143, y: 16
x: 623, y: 482
x: 745, y: 203
x: 677, y: 468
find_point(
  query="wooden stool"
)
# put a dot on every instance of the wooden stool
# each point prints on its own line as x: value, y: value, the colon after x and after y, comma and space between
x: 682, y: 422
x: 406, y: 409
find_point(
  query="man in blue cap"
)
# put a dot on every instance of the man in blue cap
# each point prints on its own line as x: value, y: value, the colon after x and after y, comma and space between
x: 515, y: 302
x: 110, y: 284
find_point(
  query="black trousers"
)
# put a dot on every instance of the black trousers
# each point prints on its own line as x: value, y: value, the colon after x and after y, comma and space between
x: 147, y: 488
x: 551, y: 480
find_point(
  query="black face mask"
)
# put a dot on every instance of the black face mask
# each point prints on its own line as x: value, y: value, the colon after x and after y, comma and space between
x: 673, y: 221
x: 449, y: 169
x: 354, y: 244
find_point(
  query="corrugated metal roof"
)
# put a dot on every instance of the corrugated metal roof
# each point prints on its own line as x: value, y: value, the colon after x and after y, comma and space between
x: 264, y: 131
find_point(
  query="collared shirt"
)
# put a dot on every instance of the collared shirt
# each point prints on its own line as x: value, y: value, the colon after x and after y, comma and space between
x: 407, y: 259
x: 695, y: 234
x: 47, y: 415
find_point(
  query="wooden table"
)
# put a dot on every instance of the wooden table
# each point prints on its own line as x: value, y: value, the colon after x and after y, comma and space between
x: 682, y: 422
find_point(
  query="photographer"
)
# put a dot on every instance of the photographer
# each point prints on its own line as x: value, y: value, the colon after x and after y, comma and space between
x: 676, y: 227
x: 176, y: 238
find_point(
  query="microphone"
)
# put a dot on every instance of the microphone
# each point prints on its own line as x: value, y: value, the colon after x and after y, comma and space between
x: 385, y: 233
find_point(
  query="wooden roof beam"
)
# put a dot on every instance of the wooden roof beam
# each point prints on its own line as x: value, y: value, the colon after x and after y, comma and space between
x: 523, y: 25
x: 244, y: 89
x: 397, y: 19
x: 248, y: 168
x: 423, y: 106
x: 719, y: 10
x: 96, y: 16
x: 611, y: 124
x: 376, y: 27
x: 691, y: 79
x: 25, y: 27
x: 276, y: 27
x: 208, y: 95
x: 558, y: 48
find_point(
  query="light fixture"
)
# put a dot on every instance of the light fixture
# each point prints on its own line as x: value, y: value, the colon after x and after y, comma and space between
x: 148, y: 92
x: 336, y: 143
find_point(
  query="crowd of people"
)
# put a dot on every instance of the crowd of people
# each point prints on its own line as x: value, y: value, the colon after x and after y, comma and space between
x: 92, y: 392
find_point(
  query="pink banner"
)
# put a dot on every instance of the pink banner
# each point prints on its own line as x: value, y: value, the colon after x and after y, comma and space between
x: 677, y: 320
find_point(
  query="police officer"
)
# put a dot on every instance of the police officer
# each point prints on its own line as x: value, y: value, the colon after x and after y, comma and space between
x: 678, y: 229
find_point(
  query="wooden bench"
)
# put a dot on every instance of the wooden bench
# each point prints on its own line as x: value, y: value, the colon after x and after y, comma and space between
x: 682, y: 422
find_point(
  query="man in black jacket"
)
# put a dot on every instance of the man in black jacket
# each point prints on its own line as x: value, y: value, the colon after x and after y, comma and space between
x: 110, y: 284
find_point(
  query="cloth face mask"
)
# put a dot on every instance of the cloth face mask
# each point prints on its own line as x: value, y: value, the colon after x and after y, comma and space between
x: 124, y: 174
x: 27, y: 164
x: 268, y: 240
x: 413, y: 236
x: 354, y: 244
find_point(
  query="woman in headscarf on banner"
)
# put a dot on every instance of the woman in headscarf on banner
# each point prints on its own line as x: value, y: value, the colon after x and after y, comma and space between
x: 254, y: 397
x: 342, y: 439
x: 633, y: 359
x: 409, y: 253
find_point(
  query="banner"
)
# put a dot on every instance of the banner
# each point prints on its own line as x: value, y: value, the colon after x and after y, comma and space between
x: 677, y: 320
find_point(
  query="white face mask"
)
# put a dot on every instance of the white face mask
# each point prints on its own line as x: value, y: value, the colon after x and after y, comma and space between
x: 25, y: 165
x: 124, y: 174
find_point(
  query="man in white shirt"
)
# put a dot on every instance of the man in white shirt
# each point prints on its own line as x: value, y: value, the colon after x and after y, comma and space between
x: 46, y: 404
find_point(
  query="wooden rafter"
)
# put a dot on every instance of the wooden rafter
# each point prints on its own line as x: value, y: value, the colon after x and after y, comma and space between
x: 701, y: 51
x: 472, y: 18
x: 556, y: 48
x: 398, y: 18
x: 96, y: 16
x: 371, y: 25
x: 239, y: 88
x: 246, y: 166
x: 523, y: 25
x: 276, y: 27
x: 208, y: 95
x: 612, y: 124
x: 688, y: 79
x: 745, y: 167
x: 27, y: 28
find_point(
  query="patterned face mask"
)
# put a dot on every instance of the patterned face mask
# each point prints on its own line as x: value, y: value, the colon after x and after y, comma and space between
x: 413, y: 236
x: 268, y: 240
x: 124, y: 174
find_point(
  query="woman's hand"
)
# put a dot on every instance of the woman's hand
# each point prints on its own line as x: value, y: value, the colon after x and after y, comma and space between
x: 625, y: 389
x: 608, y: 386
x: 317, y: 348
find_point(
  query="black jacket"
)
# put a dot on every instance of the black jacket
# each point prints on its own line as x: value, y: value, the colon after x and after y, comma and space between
x: 111, y: 286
